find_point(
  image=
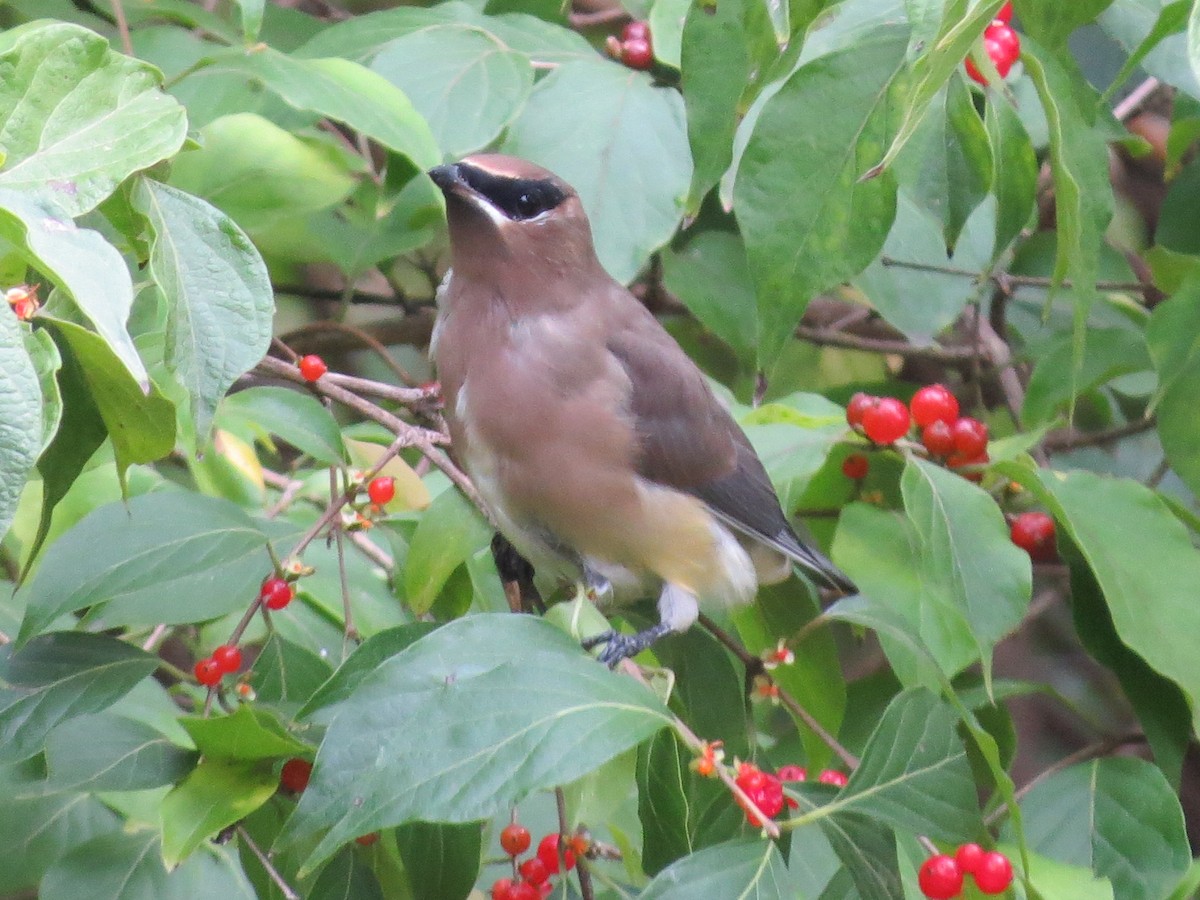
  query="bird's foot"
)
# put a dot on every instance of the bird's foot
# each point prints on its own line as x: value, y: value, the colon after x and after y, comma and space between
x: 619, y: 646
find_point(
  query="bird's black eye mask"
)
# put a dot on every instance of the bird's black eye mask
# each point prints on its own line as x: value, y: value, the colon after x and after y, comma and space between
x: 517, y: 198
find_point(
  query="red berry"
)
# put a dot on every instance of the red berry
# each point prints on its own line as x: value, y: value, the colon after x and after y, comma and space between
x: 933, y: 403
x: 1003, y: 45
x: 534, y: 870
x: 1033, y: 532
x: 968, y: 857
x: 938, y: 438
x: 637, y: 30
x: 276, y: 593
x: 940, y: 878
x: 834, y: 777
x: 381, y: 490
x: 312, y: 367
x: 857, y: 406
x: 764, y: 789
x: 887, y: 421
x: 503, y: 889
x: 1005, y: 14
x: 994, y: 873
x: 228, y: 658
x: 547, y: 852
x: 295, y: 774
x: 208, y: 672
x: 514, y: 839
x: 792, y: 773
x: 367, y: 840
x: 970, y: 436
x: 855, y: 466
x: 637, y: 54
x: 525, y: 891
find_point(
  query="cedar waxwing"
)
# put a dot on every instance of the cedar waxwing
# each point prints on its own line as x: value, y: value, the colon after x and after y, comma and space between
x: 594, y: 441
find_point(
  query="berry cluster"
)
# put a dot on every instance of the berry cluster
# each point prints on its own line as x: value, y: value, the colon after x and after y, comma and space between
x: 1002, y: 44
x: 765, y: 789
x: 225, y: 660
x: 531, y: 877
x: 24, y: 300
x: 941, y: 876
x: 634, y: 48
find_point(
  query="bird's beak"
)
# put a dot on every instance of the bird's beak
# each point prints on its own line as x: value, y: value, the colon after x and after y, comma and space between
x: 447, y: 177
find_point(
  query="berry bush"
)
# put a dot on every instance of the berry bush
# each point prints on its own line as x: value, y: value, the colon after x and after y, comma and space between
x: 942, y: 259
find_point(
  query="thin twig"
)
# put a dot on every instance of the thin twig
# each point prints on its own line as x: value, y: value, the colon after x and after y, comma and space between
x: 826, y: 337
x: 122, y: 27
x: 1126, y: 107
x: 349, y: 632
x: 155, y: 636
x: 1070, y: 439
x: 581, y: 867
x: 272, y: 872
x: 366, y: 339
x: 1005, y: 278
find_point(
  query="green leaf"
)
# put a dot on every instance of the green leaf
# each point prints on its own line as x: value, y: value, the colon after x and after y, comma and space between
x: 259, y: 174
x: 245, y: 735
x: 345, y: 92
x: 711, y: 276
x: 441, y: 860
x: 296, y: 416
x: 252, y: 18
x: 141, y: 424
x: 450, y: 531
x: 218, y: 294
x: 1055, y: 881
x: 1016, y: 171
x: 1172, y: 19
x: 968, y: 561
x: 128, y: 865
x: 1170, y: 335
x: 1107, y: 353
x: 77, y: 118
x: 914, y: 773
x: 347, y: 877
x: 57, y: 676
x: 1052, y: 23
x: 1128, y: 824
x: 375, y: 769
x: 1142, y: 558
x: 107, y: 752
x: 680, y: 812
x: 21, y: 425
x: 286, y: 673
x: 832, y: 224
x: 217, y: 793
x: 867, y: 850
x: 628, y: 139
x: 166, y: 557
x: 46, y: 362
x: 466, y: 83
x: 1132, y: 22
x: 751, y: 869
x: 82, y: 264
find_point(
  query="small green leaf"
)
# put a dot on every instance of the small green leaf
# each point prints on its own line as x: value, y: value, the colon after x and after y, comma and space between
x: 441, y: 860
x: 628, y: 139
x: 286, y: 673
x: 219, y: 792
x: 246, y: 735
x: 1107, y: 353
x: 376, y: 768
x: 252, y: 18
x: 1171, y: 339
x: 1129, y: 828
x: 218, y: 294
x: 55, y: 677
x: 166, y: 557
x: 1016, y: 171
x: 296, y: 416
x: 750, y: 868
x: 83, y: 265
x: 21, y: 425
x: 832, y: 224
x: 1132, y: 22
x: 46, y: 361
x: 1052, y: 23
x: 347, y: 877
x: 449, y: 531
x: 466, y: 83
x: 106, y: 752
x: 77, y: 118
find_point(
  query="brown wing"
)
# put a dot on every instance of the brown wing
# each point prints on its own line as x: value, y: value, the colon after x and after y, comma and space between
x: 687, y: 440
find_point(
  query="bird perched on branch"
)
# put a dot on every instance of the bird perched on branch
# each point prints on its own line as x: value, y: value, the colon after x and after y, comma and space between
x: 593, y: 439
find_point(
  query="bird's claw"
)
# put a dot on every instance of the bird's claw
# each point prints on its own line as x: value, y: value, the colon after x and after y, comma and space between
x: 618, y: 645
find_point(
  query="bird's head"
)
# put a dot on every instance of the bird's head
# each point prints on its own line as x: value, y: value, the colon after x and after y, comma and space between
x: 506, y: 213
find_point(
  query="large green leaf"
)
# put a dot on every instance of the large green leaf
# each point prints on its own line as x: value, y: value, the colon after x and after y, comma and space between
x: 440, y: 859
x: 217, y: 793
x: 832, y: 224
x: 466, y: 82
x: 450, y: 531
x: 57, y: 676
x: 20, y: 415
x: 1170, y: 336
x: 1143, y: 561
x: 1107, y: 353
x: 107, y: 752
x: 167, y: 557
x: 1132, y: 22
x: 129, y: 866
x: 296, y: 416
x: 81, y: 263
x: 751, y: 869
x: 1052, y: 23
x: 347, y: 877
x: 627, y: 142
x: 377, y: 767
x: 218, y: 294
x: 76, y: 118
x: 1128, y: 826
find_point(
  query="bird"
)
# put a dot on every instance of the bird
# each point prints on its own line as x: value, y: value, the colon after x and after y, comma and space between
x: 595, y: 443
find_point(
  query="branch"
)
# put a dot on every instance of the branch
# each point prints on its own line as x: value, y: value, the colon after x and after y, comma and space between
x: 1072, y: 438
